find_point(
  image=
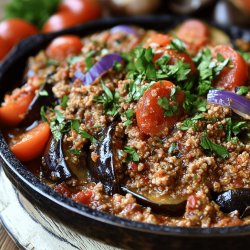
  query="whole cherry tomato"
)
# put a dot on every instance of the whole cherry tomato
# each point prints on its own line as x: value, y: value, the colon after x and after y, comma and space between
x: 194, y: 33
x: 86, y: 9
x: 14, y: 30
x: 64, y: 46
x: 236, y: 73
x: 61, y: 21
x: 73, y: 12
x: 4, y: 48
x: 150, y: 116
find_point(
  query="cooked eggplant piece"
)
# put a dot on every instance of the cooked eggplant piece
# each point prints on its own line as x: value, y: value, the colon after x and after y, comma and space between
x: 54, y: 165
x: 164, y: 205
x: 104, y: 170
x: 232, y: 200
x: 33, y: 113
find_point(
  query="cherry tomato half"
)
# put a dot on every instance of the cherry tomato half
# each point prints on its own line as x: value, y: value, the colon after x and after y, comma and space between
x: 13, y: 110
x: 86, y: 9
x: 236, y: 74
x: 64, y: 46
x: 150, y: 116
x: 4, y: 48
x: 194, y: 33
x: 14, y: 30
x: 30, y: 145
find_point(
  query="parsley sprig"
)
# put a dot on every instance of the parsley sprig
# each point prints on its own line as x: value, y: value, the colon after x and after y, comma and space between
x: 132, y: 155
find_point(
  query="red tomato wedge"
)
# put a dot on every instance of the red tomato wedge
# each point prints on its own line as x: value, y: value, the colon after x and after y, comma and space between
x: 13, y: 110
x: 14, y: 30
x: 62, y: 47
x: 150, y: 116
x: 30, y: 145
x: 194, y: 33
x: 236, y: 74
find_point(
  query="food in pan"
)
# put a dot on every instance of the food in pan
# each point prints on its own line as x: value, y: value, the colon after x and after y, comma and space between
x: 146, y: 125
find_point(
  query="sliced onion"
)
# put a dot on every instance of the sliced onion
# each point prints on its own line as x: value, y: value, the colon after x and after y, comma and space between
x: 239, y: 104
x: 99, y: 68
x: 125, y: 29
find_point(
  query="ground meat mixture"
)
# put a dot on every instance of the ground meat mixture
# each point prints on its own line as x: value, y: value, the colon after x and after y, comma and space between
x: 140, y: 141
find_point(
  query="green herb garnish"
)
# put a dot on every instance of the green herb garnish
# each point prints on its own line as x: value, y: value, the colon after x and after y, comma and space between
x: 132, y: 154
x: 64, y: 101
x: 34, y: 11
x: 208, y: 145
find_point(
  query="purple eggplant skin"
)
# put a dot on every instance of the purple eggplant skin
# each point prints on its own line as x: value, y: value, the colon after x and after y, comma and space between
x: 104, y: 170
x: 54, y: 165
x: 231, y: 200
x: 33, y: 113
x: 160, y: 208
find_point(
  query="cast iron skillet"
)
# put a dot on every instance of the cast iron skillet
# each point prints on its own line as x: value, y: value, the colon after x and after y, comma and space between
x: 105, y: 227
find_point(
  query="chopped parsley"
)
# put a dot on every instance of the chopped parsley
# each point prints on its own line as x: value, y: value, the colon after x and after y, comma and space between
x: 89, y: 61
x: 75, y: 151
x: 140, y: 64
x: 190, y: 122
x: 172, y: 148
x: 109, y: 100
x: 43, y: 114
x: 58, y: 126
x: 75, y: 125
x: 233, y: 128
x: 136, y: 91
x: 64, y: 101
x: 43, y: 93
x: 208, y: 69
x: 242, y: 90
x: 208, y: 145
x: 177, y: 44
x: 129, y: 114
x: 170, y: 107
x: 245, y: 55
x: 132, y: 155
x: 74, y: 59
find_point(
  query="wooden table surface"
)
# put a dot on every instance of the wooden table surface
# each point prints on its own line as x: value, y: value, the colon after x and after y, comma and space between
x: 6, y: 242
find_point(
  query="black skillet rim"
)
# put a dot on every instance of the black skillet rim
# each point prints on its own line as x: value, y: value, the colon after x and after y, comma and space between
x: 23, y: 176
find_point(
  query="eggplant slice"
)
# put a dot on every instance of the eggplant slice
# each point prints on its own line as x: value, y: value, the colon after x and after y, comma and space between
x: 103, y: 170
x: 232, y: 200
x: 33, y: 113
x: 166, y: 206
x: 54, y: 165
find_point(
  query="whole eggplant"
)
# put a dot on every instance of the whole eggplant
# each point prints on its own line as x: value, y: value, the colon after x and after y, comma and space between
x: 231, y: 200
